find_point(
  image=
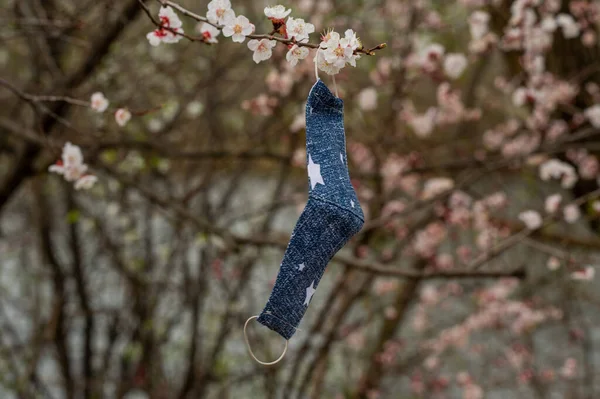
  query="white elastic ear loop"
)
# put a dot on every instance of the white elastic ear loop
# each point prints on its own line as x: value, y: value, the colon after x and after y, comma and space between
x: 317, y: 74
x: 252, y: 353
x: 316, y: 67
x: 335, y: 87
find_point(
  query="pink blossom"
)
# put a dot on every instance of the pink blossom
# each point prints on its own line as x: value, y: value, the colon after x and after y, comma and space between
x: 454, y: 65
x: 585, y: 274
x: 280, y: 83
x: 553, y: 202
x: 390, y: 312
x: 419, y: 321
x: 261, y: 105
x: 553, y: 263
x: 557, y: 128
x: 478, y: 24
x: 367, y: 99
x: 588, y: 167
x: 569, y: 368
x: 444, y: 261
x: 122, y: 116
x: 356, y: 340
x: 429, y: 295
x: 432, y: 362
x: 531, y: 219
x: 571, y: 213
x: 424, y: 124
x: 382, y: 287
x: 99, y: 103
x: 463, y: 378
x: 436, y: 186
x: 472, y: 391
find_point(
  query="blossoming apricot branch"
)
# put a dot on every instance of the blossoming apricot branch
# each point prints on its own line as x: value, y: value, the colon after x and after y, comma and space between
x: 333, y: 53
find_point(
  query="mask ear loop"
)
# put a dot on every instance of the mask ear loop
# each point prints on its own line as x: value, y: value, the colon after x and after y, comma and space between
x: 335, y: 87
x: 317, y: 73
x: 252, y: 353
x: 316, y: 66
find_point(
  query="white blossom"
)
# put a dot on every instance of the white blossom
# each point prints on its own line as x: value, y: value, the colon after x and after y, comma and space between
x: 435, y: 186
x: 552, y: 203
x: 455, y: 64
x: 479, y: 24
x: 219, y: 12
x: 170, y: 28
x: 238, y: 28
x: 71, y: 155
x: 99, y: 103
x: 549, y: 24
x: 327, y: 37
x: 325, y: 66
x: 85, y: 182
x: 277, y: 12
x: 71, y: 165
x: 367, y: 99
x: 335, y: 52
x: 553, y: 263
x: 208, y: 32
x: 556, y: 169
x: 122, y: 116
x: 586, y: 274
x: 593, y: 115
x: 424, y: 124
x: 262, y: 49
x: 169, y: 18
x: 519, y: 96
x: 532, y: 219
x: 570, y: 27
x: 352, y: 39
x: 298, y: 123
x: 154, y: 38
x: 339, y: 51
x: 433, y: 52
x: 298, y: 29
x: 296, y: 54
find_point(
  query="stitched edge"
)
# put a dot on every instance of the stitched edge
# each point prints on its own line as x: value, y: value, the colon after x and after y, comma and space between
x: 318, y: 198
x: 320, y: 101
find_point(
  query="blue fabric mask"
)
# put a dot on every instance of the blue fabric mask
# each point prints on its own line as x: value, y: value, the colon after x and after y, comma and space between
x: 331, y: 217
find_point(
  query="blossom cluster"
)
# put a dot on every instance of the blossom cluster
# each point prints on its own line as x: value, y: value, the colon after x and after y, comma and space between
x: 170, y: 29
x: 450, y: 110
x: 495, y: 308
x: 99, y: 103
x: 72, y: 168
x: 71, y: 165
x: 333, y: 53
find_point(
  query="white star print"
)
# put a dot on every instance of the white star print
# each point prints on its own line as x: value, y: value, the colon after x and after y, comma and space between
x: 301, y: 266
x: 310, y: 291
x: 352, y: 203
x: 314, y: 173
x: 341, y: 157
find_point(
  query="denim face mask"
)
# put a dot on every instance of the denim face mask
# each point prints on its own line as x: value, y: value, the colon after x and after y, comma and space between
x: 331, y: 217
